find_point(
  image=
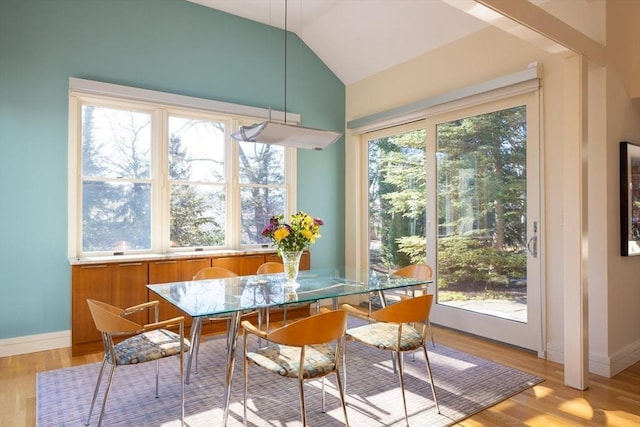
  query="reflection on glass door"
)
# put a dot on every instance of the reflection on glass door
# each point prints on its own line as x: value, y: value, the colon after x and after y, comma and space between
x: 481, y: 197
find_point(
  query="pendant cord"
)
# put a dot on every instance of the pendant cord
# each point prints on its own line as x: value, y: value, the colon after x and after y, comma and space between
x: 286, y: 9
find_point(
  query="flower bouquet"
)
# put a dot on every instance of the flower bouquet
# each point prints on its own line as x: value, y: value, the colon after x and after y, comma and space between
x: 291, y: 238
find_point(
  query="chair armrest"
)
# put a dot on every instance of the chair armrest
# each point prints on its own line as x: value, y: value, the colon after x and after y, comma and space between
x: 355, y: 311
x: 134, y: 309
x: 324, y: 310
x: 249, y: 328
x: 175, y: 321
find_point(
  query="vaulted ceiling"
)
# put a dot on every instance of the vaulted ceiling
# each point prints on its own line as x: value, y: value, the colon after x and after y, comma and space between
x: 359, y: 38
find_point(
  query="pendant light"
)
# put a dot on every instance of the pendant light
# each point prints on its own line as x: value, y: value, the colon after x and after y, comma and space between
x: 289, y: 135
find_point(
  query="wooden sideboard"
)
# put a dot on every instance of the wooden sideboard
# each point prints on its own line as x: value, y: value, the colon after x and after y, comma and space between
x: 123, y: 284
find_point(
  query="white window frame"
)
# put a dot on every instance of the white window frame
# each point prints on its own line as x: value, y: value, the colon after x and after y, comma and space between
x: 161, y: 105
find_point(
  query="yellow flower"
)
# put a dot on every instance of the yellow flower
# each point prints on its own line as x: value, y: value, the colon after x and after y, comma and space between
x: 302, y: 231
x: 280, y: 233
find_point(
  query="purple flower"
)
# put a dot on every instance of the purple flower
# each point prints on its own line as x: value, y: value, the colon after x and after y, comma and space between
x: 268, y: 230
x: 318, y: 221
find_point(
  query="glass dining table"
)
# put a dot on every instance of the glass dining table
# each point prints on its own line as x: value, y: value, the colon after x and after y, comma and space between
x: 202, y: 299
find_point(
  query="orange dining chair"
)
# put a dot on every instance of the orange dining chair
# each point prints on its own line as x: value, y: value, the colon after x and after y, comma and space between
x: 393, y: 331
x: 422, y: 272
x: 270, y: 268
x: 307, y: 349
x: 275, y: 268
x: 143, y: 343
x: 214, y: 273
x: 417, y: 271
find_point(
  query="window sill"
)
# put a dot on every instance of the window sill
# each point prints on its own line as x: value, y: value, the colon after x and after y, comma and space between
x: 168, y: 256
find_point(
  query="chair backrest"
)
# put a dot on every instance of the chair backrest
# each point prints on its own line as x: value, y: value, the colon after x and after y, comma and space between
x: 417, y: 271
x: 213, y: 273
x: 410, y: 310
x: 108, y: 318
x: 270, y: 268
x: 317, y: 329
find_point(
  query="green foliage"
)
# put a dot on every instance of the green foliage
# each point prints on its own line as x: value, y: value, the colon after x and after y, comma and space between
x: 397, y: 201
x: 414, y: 247
x: 472, y: 262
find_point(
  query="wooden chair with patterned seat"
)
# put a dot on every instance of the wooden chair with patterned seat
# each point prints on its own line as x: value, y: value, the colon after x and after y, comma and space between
x: 417, y: 271
x: 215, y: 273
x: 307, y: 349
x: 392, y: 331
x: 271, y: 267
x: 141, y: 343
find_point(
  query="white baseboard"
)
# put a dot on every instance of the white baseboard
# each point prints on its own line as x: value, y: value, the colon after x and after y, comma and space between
x: 601, y: 364
x: 33, y: 343
x: 623, y: 358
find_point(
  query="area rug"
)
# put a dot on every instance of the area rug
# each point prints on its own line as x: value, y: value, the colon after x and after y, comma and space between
x: 465, y: 385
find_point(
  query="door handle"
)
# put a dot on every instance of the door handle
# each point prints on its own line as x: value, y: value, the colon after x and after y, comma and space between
x: 532, y: 244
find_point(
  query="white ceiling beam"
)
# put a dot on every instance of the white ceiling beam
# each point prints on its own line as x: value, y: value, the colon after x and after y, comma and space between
x: 540, y: 21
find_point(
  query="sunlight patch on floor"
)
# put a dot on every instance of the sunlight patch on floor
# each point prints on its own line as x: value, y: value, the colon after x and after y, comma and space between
x: 578, y: 407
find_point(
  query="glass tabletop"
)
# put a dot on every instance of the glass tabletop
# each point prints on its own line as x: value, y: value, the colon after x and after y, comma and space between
x: 226, y: 295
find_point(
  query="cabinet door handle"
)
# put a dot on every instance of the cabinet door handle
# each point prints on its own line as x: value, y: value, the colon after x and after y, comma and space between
x: 94, y: 266
x: 196, y: 260
x: 130, y: 264
x: 165, y: 262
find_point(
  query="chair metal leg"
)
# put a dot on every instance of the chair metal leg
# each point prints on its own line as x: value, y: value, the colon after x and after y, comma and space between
x: 261, y: 312
x: 95, y: 392
x: 302, y: 409
x: 433, y: 387
x: 106, y: 393
x: 268, y: 318
x: 182, y: 356
x: 231, y: 359
x: 401, y: 376
x: 324, y: 409
x: 245, y: 367
x: 344, y: 363
x: 157, y: 377
x: 342, y: 398
x: 433, y: 342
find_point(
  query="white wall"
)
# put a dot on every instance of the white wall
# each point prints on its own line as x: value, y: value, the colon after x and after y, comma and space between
x: 622, y: 345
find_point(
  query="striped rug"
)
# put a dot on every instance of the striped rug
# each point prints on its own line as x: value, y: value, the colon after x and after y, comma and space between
x: 465, y: 385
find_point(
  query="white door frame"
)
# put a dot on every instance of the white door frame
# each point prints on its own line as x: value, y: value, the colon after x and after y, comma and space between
x: 528, y: 335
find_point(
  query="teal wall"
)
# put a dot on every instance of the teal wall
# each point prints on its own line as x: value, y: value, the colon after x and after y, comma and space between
x: 165, y: 45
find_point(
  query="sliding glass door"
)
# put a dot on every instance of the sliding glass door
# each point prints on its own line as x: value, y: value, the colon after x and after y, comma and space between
x: 483, y: 206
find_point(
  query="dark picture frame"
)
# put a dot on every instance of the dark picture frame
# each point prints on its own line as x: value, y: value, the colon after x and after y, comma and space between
x: 629, y: 198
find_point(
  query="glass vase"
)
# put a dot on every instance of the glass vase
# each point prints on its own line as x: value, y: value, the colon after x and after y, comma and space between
x: 291, y: 261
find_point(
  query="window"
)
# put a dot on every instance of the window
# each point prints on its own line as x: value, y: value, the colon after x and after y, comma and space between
x: 152, y: 177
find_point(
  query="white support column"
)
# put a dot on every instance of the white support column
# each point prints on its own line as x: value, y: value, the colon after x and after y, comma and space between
x: 576, y: 343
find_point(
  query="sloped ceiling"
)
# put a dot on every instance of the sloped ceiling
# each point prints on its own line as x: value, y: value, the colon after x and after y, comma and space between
x: 359, y: 38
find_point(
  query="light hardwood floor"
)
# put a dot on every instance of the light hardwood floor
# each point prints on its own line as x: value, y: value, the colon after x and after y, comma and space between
x: 607, y: 402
